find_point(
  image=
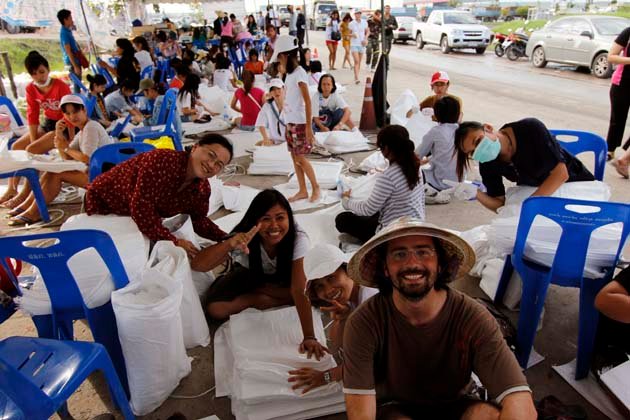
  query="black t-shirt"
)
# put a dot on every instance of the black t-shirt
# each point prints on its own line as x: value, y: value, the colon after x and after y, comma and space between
x: 537, y: 153
x: 611, y: 332
x: 126, y: 69
x: 623, y: 39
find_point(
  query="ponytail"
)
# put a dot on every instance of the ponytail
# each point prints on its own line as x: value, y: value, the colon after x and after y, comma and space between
x: 400, y: 149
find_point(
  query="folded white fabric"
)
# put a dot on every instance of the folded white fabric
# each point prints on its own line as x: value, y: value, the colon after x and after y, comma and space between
x: 327, y: 174
x: 243, y: 141
x: 342, y: 141
x: 216, y: 124
x: 401, y: 106
x: 14, y: 160
x: 327, y: 197
x: 216, y: 100
x: 271, y: 160
x: 374, y: 162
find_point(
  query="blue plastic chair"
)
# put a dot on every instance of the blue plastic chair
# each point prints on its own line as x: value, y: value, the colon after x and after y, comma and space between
x: 106, y: 74
x: 119, y: 127
x: 4, y: 101
x: 164, y: 66
x: 110, y: 155
x: 90, y: 103
x: 75, y: 79
x: 146, y: 73
x: 33, y: 179
x: 170, y: 126
x: 566, y: 270
x: 37, y: 376
x: 585, y: 142
x: 65, y: 297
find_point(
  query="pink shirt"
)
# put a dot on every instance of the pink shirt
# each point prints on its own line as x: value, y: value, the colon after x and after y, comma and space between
x: 249, y: 108
x: 227, y: 29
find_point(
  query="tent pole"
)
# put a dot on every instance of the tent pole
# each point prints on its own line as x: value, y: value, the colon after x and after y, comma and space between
x: 384, y: 56
x: 306, y: 25
x: 87, y: 27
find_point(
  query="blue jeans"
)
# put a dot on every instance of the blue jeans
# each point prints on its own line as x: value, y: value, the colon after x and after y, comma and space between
x: 329, y: 118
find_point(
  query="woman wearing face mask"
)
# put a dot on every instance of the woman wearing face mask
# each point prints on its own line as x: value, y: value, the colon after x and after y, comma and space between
x: 42, y: 94
x: 523, y: 151
x: 268, y: 249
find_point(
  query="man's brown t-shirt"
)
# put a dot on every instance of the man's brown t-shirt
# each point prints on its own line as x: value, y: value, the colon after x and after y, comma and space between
x: 429, y: 102
x: 429, y: 364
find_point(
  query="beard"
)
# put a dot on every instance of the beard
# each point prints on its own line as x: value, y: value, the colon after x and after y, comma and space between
x: 414, y: 292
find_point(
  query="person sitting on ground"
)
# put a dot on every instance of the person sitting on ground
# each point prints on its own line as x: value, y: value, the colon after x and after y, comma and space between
x: 181, y: 72
x: 397, y: 192
x: 272, y: 37
x: 151, y: 115
x: 439, y: 143
x: 208, y: 64
x: 330, y: 289
x: 269, y: 122
x: 128, y: 67
x: 315, y: 73
x: 118, y: 103
x: 612, y: 344
x: 416, y: 313
x: 276, y: 70
x: 163, y: 183
x: 189, y: 104
x: 330, y: 110
x: 440, y: 82
x: 247, y: 101
x: 143, y: 54
x: 98, y: 85
x: 43, y: 93
x: 268, y: 250
x: 223, y: 76
x: 254, y: 64
x: 188, y: 61
x: 90, y: 137
x: 523, y: 151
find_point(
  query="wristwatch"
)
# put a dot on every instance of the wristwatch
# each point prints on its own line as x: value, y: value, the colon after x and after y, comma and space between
x: 327, y: 377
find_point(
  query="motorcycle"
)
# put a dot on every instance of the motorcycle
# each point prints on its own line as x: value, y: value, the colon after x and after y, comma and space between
x: 499, y: 39
x: 515, y: 46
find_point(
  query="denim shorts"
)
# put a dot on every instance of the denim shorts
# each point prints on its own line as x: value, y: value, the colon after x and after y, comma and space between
x: 357, y: 49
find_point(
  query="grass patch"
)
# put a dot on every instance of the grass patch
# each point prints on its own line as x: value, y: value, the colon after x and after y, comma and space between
x: 504, y: 27
x: 18, y: 49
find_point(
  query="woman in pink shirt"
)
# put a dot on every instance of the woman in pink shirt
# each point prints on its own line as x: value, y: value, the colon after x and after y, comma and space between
x: 226, y: 32
x: 250, y: 100
x: 42, y: 94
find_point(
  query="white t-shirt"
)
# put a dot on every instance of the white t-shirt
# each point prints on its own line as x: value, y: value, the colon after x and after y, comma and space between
x: 90, y: 138
x: 267, y: 118
x: 301, y: 246
x: 273, y: 16
x: 294, y: 111
x: 334, y: 101
x: 313, y: 78
x: 183, y: 102
x: 359, y: 29
x: 144, y: 59
x: 222, y: 79
x: 331, y: 26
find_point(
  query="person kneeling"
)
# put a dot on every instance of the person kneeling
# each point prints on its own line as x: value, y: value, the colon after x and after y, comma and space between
x: 330, y: 289
x: 330, y: 110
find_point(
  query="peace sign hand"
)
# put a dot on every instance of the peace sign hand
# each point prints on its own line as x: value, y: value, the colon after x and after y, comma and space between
x: 242, y: 239
x: 337, y: 310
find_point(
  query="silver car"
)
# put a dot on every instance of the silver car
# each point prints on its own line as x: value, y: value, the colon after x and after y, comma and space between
x: 578, y: 40
x: 405, y: 24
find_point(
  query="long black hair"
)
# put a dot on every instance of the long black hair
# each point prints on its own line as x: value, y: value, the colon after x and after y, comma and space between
x: 460, y: 134
x: 248, y: 79
x: 191, y: 85
x: 400, y: 149
x: 261, y: 204
x: 96, y: 80
x: 126, y: 46
x: 142, y: 41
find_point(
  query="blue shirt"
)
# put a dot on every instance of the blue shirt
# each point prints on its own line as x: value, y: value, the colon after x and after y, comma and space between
x: 66, y: 38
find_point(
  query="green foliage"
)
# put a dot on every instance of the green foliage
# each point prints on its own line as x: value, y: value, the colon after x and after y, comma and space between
x: 19, y: 48
x: 504, y: 27
x: 521, y: 11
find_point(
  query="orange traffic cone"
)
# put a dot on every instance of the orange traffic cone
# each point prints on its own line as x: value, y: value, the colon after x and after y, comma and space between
x: 368, y: 119
x: 315, y: 54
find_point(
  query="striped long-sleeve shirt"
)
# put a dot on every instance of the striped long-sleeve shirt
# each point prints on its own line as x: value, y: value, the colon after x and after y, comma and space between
x: 392, y: 197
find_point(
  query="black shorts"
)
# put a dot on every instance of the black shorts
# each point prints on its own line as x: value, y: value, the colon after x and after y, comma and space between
x: 237, y: 282
x: 444, y: 411
x: 48, y: 125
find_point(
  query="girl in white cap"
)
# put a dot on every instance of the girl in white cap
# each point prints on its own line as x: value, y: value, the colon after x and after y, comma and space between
x: 297, y: 115
x: 269, y: 122
x: 330, y: 289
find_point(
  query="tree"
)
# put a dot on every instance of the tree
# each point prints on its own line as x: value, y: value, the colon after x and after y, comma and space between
x: 521, y: 11
x: 453, y: 3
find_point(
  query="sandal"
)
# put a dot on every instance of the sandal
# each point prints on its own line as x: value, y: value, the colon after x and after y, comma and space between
x: 20, y: 220
x: 14, y: 212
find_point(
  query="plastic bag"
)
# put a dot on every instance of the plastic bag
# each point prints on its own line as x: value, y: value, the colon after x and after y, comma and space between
x: 419, y: 125
x: 173, y: 262
x: 87, y: 267
x: 401, y: 106
x: 374, y: 162
x: 150, y: 331
x: 342, y: 141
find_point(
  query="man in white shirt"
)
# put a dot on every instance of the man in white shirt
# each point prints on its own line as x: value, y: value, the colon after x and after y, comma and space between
x: 292, y: 21
x: 358, y: 40
x: 272, y: 16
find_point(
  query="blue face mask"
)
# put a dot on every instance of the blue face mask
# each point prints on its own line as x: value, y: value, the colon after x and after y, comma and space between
x: 487, y: 150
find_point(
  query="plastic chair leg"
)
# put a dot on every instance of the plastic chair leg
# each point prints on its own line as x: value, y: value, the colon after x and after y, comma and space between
x: 33, y: 179
x: 532, y: 303
x: 104, y: 330
x: 44, y: 325
x: 504, y: 281
x: 589, y: 317
x: 116, y: 390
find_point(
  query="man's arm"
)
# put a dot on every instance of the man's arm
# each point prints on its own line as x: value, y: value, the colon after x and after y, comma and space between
x: 614, y: 302
x: 518, y: 406
x: 361, y: 407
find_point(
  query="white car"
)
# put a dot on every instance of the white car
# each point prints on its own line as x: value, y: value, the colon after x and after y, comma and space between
x: 452, y: 29
x: 404, y: 31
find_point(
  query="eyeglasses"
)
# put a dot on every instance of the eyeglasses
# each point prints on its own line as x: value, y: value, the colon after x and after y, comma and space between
x: 218, y: 164
x: 422, y: 254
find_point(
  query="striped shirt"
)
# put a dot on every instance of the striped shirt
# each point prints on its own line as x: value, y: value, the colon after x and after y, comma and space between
x: 392, y: 197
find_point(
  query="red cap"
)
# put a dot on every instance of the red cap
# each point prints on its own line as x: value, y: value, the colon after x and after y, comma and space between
x: 439, y: 76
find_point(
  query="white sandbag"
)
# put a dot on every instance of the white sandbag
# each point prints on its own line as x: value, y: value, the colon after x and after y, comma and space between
x: 150, y: 331
x: 271, y: 160
x: 216, y: 198
x: 217, y: 100
x: 87, y: 267
x: 327, y: 174
x: 14, y: 160
x: 490, y: 277
x: 419, y: 125
x: 342, y: 141
x: 238, y: 198
x: 361, y: 186
x: 401, y: 106
x: 374, y: 162
x: 216, y: 124
x: 243, y: 141
x: 181, y: 227
x: 173, y: 261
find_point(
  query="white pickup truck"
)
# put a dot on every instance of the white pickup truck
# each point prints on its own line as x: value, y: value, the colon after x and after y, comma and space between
x: 452, y: 29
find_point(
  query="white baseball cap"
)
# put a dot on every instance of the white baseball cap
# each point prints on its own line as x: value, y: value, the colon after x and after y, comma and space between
x: 276, y: 83
x: 321, y: 261
x: 71, y: 99
x: 284, y: 43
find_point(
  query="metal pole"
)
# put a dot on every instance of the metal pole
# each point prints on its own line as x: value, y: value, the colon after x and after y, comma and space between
x: 87, y: 28
x: 385, y: 59
x: 7, y: 64
x: 306, y: 25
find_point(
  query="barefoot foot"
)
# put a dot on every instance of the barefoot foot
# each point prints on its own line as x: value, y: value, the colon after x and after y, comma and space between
x: 8, y: 194
x: 13, y: 203
x: 315, y: 195
x: 301, y: 195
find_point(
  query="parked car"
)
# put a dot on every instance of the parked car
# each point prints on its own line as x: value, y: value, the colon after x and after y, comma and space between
x: 284, y: 15
x: 319, y: 12
x: 405, y: 25
x: 452, y: 29
x: 578, y: 40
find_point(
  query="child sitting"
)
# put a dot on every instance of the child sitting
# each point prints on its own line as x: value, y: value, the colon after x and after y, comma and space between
x: 330, y: 110
x: 253, y: 64
x: 269, y: 122
x: 223, y: 76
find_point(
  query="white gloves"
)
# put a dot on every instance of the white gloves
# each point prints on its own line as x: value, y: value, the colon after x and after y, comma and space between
x: 463, y: 190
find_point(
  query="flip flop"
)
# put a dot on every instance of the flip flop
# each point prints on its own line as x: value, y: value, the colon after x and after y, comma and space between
x: 20, y: 220
x: 14, y: 212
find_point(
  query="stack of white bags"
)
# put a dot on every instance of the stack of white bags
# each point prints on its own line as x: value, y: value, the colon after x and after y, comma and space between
x: 342, y: 141
x: 252, y: 365
x: 327, y: 174
x: 271, y: 160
